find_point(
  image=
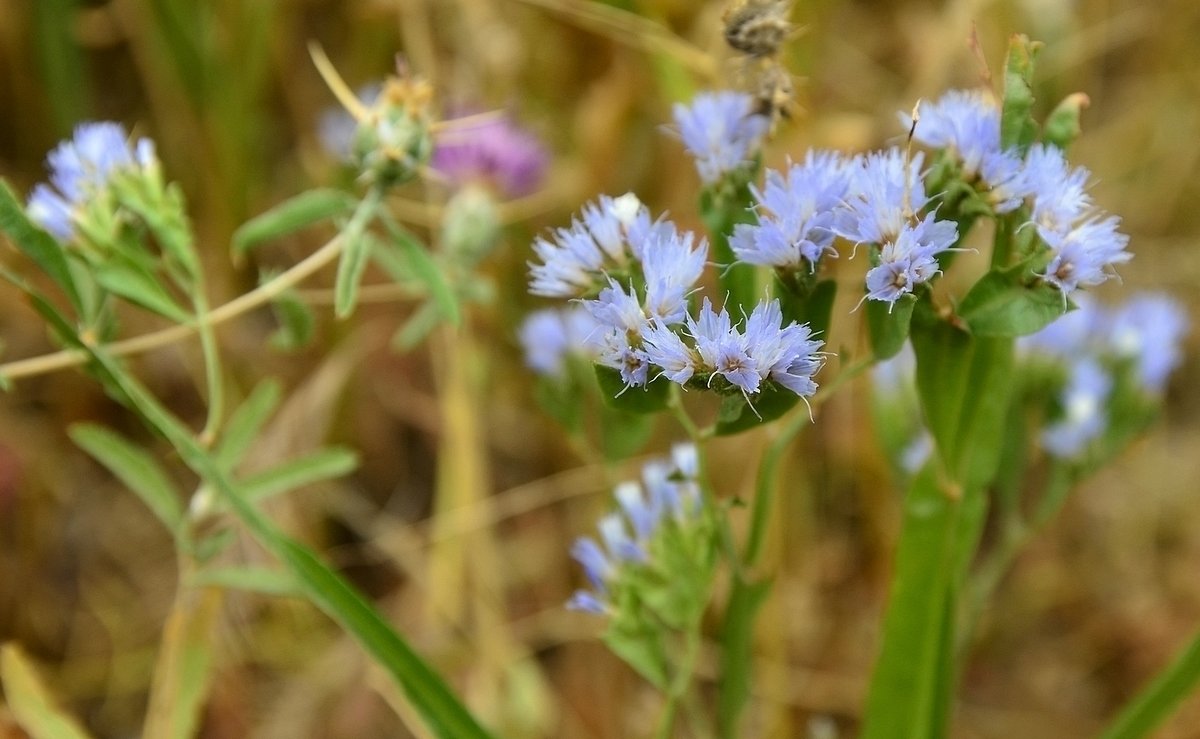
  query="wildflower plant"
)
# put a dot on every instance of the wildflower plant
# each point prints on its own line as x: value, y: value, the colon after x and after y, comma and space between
x: 949, y: 412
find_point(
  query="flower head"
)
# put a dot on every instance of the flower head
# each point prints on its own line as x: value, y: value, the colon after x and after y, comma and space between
x: 548, y: 336
x: 632, y: 537
x: 721, y: 131
x: 966, y: 122
x: 1083, y: 415
x: 80, y: 169
x: 910, y: 259
x: 493, y: 150
x: 885, y: 192
x: 607, y: 236
x: 1149, y: 329
x: 796, y: 213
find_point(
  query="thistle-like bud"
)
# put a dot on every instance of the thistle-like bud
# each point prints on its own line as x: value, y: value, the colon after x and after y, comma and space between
x: 393, y: 142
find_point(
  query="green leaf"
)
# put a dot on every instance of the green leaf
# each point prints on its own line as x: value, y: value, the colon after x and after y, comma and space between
x: 184, y: 670
x: 649, y: 398
x: 623, y: 434
x: 813, y: 305
x: 1062, y: 125
x: 296, y: 322
x: 427, y: 271
x: 738, y: 414
x: 417, y: 328
x: 721, y: 211
x: 244, y: 424
x: 352, y: 265
x: 251, y: 579
x: 1160, y: 698
x: 1017, y: 127
x: 561, y: 399
x: 305, y: 209
x: 30, y: 702
x: 888, y: 325
x: 737, y: 641
x: 36, y: 244
x: 1000, y: 305
x: 134, y: 467
x: 139, y: 287
x: 639, y: 644
x: 322, y: 464
x: 907, y: 695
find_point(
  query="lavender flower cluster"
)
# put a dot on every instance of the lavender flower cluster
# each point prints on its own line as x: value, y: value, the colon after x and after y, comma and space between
x: 80, y: 170
x: 880, y: 199
x: 668, y: 496
x: 635, y: 276
x: 1094, y: 342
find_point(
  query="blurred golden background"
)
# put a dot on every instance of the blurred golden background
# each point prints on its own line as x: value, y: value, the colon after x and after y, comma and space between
x: 227, y: 90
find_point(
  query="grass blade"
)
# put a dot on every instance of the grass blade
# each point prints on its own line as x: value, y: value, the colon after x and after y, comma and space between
x: 139, y: 471
x: 1162, y: 696
x: 30, y: 701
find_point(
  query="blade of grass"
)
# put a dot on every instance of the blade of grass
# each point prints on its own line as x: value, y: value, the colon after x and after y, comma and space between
x: 30, y: 701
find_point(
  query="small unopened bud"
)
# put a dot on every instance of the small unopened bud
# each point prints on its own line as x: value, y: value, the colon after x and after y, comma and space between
x: 470, y: 225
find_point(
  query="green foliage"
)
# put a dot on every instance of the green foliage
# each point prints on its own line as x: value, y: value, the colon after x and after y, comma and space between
x: 650, y: 398
x: 134, y: 467
x: 36, y: 244
x: 739, y: 413
x: 1017, y: 126
x: 1003, y: 304
x: 30, y: 702
x: 1062, y: 125
x: 300, y: 211
x: 888, y: 325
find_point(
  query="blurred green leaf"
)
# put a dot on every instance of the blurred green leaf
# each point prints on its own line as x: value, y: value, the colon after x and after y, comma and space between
x: 650, y: 398
x: 244, y: 424
x: 737, y: 640
x: 739, y: 414
x: 721, y: 211
x: 1158, y: 700
x: 417, y: 328
x: 888, y: 325
x: 30, y: 702
x: 1000, y: 305
x: 296, y: 322
x: 322, y: 464
x: 305, y: 209
x: 623, y: 434
x: 1017, y: 127
x: 134, y: 467
x: 813, y: 305
x: 131, y: 282
x: 36, y: 244
x: 425, y: 269
x: 61, y: 61
x: 355, y: 255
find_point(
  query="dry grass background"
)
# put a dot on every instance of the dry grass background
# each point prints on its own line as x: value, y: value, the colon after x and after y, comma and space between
x: 1097, y: 604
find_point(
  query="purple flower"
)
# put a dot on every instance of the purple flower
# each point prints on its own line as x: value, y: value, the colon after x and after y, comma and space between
x: 494, y: 150
x: 796, y: 213
x: 966, y: 122
x: 607, y: 237
x: 910, y: 259
x: 669, y: 493
x: 884, y: 194
x: 721, y: 131
x: 1083, y: 417
x: 1084, y: 255
x: 80, y: 169
x: 549, y: 336
x: 1149, y: 329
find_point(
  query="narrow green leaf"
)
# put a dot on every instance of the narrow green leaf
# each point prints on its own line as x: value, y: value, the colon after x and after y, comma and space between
x: 417, y: 328
x: 1000, y: 305
x: 30, y: 702
x: 36, y: 244
x: 906, y: 693
x: 649, y: 398
x: 296, y: 322
x: 134, y: 467
x: 244, y: 424
x: 623, y: 434
x: 1017, y: 127
x: 251, y: 579
x: 888, y: 325
x: 737, y: 642
x: 140, y: 288
x: 1062, y: 125
x: 425, y: 269
x: 738, y: 414
x: 322, y: 464
x: 300, y: 211
x: 1160, y: 698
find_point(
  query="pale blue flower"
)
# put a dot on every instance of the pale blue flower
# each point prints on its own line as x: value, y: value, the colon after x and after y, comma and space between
x: 80, y: 169
x: 1084, y: 255
x: 623, y: 324
x: 669, y: 492
x: 1149, y: 329
x: 796, y: 213
x: 1083, y: 410
x: 548, y: 336
x: 965, y: 122
x: 1059, y: 193
x: 672, y: 263
x: 721, y: 131
x: 910, y: 259
x: 608, y: 236
x: 884, y: 194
